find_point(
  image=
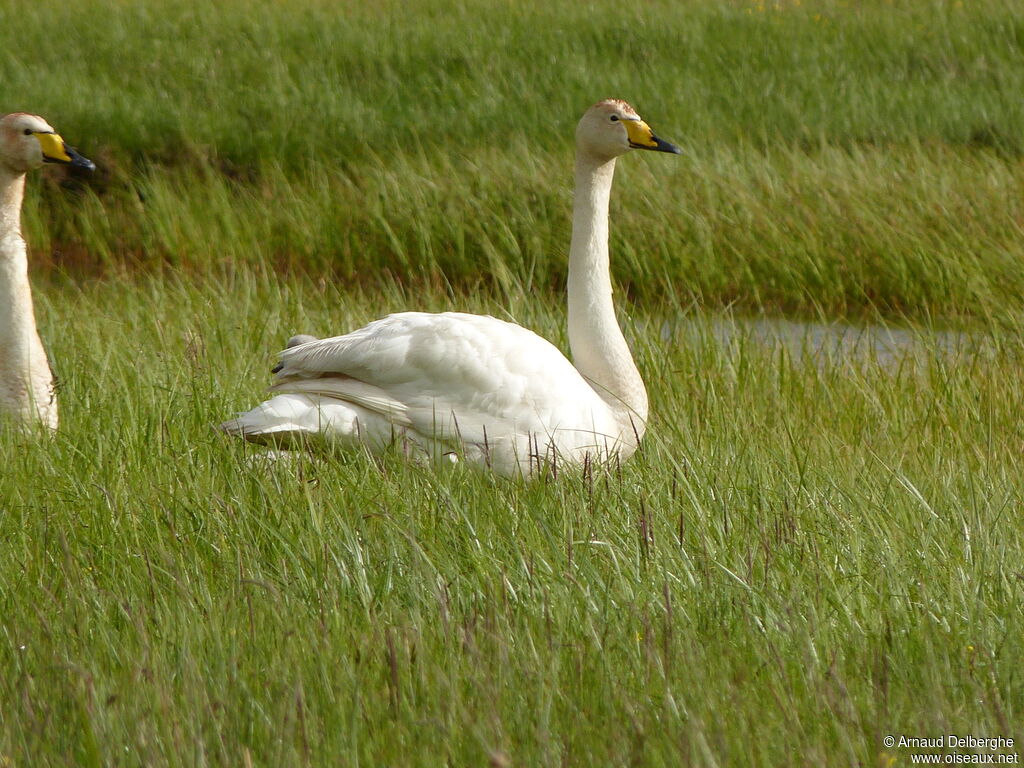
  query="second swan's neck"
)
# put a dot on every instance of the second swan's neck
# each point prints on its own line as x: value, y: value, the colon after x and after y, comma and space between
x: 13, y: 259
x: 599, y: 350
x: 26, y: 384
x: 12, y: 191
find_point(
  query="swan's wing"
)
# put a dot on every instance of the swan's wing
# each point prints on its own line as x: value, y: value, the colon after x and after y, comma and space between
x: 449, y: 375
x: 352, y: 391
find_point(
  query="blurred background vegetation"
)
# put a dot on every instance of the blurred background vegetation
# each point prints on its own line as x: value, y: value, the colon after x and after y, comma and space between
x: 839, y: 157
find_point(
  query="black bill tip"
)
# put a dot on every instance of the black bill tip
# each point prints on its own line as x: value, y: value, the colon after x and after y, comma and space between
x: 76, y: 161
x: 662, y: 145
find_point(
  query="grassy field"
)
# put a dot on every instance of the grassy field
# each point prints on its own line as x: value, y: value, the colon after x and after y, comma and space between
x: 838, y: 155
x: 810, y: 553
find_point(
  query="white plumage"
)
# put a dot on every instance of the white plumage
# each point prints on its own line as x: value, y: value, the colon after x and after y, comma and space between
x: 26, y: 383
x: 454, y: 384
x: 461, y: 387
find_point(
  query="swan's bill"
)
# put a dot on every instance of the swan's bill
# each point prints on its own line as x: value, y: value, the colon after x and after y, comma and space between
x: 642, y: 137
x: 56, y: 151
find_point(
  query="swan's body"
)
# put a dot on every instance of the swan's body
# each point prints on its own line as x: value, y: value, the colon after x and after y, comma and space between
x: 26, y: 383
x: 474, y: 388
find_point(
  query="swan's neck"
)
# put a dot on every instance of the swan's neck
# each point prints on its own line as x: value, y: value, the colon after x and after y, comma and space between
x: 13, y: 262
x: 599, y: 350
x: 12, y: 191
x: 25, y: 378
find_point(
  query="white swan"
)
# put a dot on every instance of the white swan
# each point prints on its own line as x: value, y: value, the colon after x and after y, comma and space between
x: 473, y: 388
x: 26, y: 384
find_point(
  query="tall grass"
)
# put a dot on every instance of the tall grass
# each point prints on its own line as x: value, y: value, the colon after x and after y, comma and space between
x: 845, y: 157
x: 810, y: 552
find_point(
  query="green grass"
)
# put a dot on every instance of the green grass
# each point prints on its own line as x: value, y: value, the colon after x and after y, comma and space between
x: 850, y: 158
x: 808, y: 554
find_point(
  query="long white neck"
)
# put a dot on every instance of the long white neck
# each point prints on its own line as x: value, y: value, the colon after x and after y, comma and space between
x: 26, y: 384
x: 599, y: 350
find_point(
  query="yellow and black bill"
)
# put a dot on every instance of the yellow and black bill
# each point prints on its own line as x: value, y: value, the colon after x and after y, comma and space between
x: 56, y: 151
x: 642, y: 137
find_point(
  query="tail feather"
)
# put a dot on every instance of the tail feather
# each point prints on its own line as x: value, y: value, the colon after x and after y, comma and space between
x: 295, y: 418
x: 281, y: 419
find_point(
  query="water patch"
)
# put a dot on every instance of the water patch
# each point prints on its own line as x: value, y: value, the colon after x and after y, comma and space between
x: 885, y: 345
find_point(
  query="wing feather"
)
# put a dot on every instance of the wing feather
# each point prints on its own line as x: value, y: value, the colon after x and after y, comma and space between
x: 449, y: 375
x: 353, y: 391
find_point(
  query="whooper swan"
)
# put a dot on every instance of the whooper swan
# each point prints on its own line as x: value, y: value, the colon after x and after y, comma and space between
x: 460, y: 387
x: 26, y: 384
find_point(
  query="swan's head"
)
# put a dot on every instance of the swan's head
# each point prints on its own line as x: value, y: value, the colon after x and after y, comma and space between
x: 27, y: 141
x: 611, y: 128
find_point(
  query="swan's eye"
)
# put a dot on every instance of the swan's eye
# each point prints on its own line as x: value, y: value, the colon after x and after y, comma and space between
x: 27, y: 131
x: 614, y: 118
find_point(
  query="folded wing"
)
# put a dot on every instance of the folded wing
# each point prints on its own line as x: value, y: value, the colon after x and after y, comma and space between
x: 450, y: 376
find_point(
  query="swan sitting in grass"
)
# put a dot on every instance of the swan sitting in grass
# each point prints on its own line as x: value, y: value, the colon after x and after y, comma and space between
x: 472, y: 388
x: 26, y: 384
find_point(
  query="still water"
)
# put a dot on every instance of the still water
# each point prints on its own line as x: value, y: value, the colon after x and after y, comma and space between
x: 884, y: 345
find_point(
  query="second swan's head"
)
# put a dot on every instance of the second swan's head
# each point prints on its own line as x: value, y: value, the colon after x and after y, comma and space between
x: 611, y: 128
x: 27, y: 141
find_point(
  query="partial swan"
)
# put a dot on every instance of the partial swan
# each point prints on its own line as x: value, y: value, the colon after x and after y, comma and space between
x: 26, y: 383
x: 471, y: 388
